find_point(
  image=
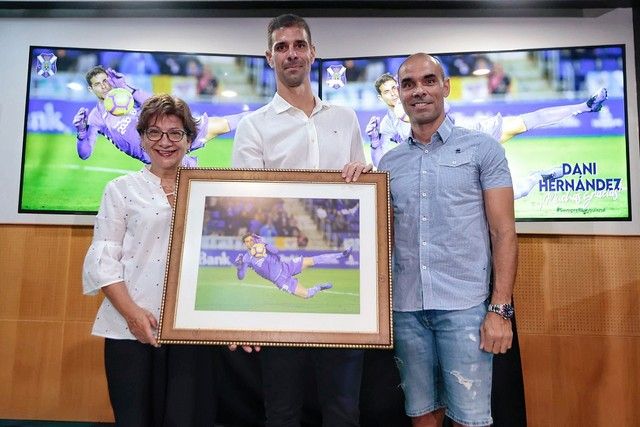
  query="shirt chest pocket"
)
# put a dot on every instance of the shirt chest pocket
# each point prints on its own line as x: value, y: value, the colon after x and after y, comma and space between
x: 456, y: 170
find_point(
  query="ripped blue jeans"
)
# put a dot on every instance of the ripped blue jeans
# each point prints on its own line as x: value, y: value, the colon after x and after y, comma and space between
x: 441, y: 364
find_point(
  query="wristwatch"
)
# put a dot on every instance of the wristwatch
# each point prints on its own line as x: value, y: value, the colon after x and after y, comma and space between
x: 504, y: 310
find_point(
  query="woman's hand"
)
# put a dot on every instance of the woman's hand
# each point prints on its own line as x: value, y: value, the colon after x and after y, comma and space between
x: 246, y: 348
x: 143, y: 326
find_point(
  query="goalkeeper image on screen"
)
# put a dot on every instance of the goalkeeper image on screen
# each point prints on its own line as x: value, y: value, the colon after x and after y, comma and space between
x: 121, y: 129
x: 386, y: 133
x: 265, y: 260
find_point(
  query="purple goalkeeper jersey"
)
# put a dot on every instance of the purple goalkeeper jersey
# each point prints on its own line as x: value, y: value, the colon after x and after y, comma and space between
x: 121, y: 131
x: 271, y: 267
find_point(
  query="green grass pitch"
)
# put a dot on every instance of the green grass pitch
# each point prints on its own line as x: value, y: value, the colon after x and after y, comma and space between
x: 56, y: 179
x: 219, y: 289
x: 529, y: 154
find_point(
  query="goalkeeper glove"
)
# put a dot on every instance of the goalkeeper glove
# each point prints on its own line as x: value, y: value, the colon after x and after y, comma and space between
x: 238, y: 261
x: 257, y: 238
x: 117, y: 79
x: 373, y: 131
x: 80, y: 122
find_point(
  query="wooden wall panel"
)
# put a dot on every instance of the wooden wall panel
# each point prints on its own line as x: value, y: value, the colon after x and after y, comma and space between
x: 36, y: 369
x: 45, y: 285
x: 581, y: 381
x: 578, y: 305
x: 82, y: 381
x: 8, y: 336
x: 51, y: 368
x: 79, y: 307
x: 577, y: 299
x: 12, y: 250
x: 529, y: 293
x: 36, y: 260
x: 579, y: 285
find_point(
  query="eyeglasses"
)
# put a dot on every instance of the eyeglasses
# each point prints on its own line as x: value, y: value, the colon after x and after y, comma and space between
x: 174, y: 135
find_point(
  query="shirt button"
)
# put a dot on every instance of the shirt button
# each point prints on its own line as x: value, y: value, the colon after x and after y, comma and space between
x: 424, y: 267
x: 424, y: 172
x: 424, y: 218
x: 426, y: 151
x: 424, y: 243
x: 424, y: 194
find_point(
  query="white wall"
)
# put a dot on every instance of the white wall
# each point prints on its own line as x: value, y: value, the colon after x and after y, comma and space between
x: 333, y: 37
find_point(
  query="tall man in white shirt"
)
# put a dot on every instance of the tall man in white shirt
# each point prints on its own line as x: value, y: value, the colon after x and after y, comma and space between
x: 297, y: 130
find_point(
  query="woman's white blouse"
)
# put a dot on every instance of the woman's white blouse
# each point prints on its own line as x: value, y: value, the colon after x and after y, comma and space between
x: 130, y: 243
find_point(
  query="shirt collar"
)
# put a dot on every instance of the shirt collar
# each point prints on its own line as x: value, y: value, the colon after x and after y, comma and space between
x: 280, y: 105
x: 443, y: 132
x: 150, y: 176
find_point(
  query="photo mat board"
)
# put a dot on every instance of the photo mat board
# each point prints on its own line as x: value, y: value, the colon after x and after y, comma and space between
x: 336, y: 239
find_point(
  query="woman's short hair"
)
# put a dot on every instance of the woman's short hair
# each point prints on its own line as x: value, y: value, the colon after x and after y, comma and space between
x: 166, y: 105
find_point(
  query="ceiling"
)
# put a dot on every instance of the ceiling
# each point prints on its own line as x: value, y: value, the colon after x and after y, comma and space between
x: 308, y: 8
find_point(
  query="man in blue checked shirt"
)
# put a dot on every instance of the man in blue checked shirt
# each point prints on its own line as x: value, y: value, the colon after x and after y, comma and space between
x: 453, y: 224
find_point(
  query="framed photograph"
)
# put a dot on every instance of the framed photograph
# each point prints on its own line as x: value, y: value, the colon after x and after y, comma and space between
x: 273, y: 257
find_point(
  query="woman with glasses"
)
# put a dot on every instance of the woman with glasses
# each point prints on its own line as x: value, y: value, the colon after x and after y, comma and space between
x: 148, y: 385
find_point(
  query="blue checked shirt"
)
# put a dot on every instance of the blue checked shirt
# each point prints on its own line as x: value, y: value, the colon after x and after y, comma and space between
x: 442, y: 254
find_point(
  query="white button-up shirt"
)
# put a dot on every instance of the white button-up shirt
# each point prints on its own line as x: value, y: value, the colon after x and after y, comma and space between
x: 281, y: 136
x: 130, y: 243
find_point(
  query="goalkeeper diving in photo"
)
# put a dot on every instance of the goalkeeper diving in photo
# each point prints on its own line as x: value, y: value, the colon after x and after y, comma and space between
x: 265, y: 260
x: 387, y: 132
x: 120, y: 129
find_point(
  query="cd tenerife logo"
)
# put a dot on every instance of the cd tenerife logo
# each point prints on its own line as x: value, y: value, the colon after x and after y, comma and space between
x: 46, y: 64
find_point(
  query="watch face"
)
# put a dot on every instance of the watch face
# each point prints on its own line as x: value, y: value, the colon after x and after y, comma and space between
x: 507, y: 311
x: 504, y: 310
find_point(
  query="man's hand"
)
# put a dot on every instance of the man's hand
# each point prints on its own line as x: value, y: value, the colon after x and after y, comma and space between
x: 373, y: 131
x: 351, y: 171
x: 495, y: 334
x: 117, y: 79
x: 142, y: 325
x: 246, y: 348
x: 80, y: 122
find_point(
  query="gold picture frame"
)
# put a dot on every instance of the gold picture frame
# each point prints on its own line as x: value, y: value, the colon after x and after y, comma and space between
x: 205, y: 300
